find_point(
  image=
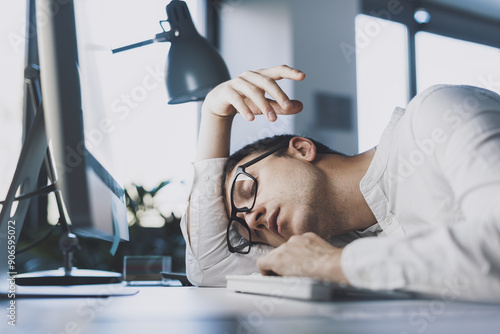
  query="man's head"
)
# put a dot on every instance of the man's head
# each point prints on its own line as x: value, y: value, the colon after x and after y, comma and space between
x: 294, y: 194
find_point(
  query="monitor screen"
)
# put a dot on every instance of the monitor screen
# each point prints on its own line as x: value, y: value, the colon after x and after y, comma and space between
x: 94, y: 202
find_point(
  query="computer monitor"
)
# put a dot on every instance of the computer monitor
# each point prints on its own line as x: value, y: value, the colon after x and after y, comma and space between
x: 93, y: 200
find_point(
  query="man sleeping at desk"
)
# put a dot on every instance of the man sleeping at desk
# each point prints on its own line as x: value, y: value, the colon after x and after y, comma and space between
x: 419, y: 211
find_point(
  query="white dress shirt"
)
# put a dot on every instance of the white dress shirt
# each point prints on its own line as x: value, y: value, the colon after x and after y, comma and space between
x: 433, y: 186
x: 208, y: 259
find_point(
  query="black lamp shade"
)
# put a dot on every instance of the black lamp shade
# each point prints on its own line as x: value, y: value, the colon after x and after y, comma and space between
x: 194, y: 67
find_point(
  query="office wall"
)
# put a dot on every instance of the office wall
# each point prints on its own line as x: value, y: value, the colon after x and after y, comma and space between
x: 307, y: 35
x: 256, y: 34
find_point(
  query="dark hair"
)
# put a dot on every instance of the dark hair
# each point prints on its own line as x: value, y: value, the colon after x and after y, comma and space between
x: 261, y: 146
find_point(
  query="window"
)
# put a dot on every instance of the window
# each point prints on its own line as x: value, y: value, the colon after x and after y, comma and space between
x: 403, y: 48
x: 382, y: 80
x: 151, y: 141
x: 448, y: 60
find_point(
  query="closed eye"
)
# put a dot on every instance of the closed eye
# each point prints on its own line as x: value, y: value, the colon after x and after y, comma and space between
x: 254, y: 188
x: 244, y: 187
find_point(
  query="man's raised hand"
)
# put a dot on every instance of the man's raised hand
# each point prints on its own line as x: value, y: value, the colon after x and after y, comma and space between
x: 246, y: 95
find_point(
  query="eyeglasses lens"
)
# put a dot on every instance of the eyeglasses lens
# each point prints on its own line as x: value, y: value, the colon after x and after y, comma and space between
x: 239, y: 237
x: 244, y: 192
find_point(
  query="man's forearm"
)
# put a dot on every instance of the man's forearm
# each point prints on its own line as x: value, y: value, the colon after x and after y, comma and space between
x: 214, y: 137
x: 213, y: 140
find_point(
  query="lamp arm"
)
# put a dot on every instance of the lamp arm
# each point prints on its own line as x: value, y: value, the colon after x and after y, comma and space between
x: 164, y: 36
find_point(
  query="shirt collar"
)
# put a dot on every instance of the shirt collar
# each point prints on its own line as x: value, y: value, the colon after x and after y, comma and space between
x: 379, y: 162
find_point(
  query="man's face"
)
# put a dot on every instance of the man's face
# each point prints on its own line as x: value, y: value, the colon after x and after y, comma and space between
x: 293, y: 197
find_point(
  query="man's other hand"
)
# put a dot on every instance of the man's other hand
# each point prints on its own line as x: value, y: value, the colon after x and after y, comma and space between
x: 304, y: 255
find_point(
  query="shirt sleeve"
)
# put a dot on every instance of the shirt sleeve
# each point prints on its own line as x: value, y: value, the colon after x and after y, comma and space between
x: 208, y: 259
x: 459, y: 260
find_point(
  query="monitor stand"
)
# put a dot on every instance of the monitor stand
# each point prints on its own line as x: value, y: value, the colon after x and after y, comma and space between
x: 61, y: 277
x: 68, y: 275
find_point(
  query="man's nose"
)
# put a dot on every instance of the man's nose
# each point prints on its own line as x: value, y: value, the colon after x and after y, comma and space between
x: 255, y: 217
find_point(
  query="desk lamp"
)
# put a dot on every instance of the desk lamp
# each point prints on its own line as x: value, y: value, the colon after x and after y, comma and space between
x: 194, y: 66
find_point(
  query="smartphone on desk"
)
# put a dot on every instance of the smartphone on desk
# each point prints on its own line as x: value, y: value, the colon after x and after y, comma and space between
x: 181, y: 277
x: 152, y: 270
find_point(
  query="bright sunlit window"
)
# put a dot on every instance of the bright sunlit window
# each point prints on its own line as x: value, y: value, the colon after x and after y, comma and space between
x: 382, y: 69
x: 452, y: 61
x: 381, y: 75
x: 151, y: 141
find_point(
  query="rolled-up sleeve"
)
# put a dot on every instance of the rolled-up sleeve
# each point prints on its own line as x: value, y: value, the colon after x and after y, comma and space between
x: 208, y: 259
x: 462, y: 259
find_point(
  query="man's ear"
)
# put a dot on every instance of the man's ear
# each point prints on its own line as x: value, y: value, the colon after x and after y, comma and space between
x: 303, y: 148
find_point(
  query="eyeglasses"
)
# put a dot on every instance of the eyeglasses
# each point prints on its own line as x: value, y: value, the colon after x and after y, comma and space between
x: 243, y: 196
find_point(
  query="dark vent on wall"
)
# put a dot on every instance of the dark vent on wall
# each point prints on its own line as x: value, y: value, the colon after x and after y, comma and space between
x: 333, y: 112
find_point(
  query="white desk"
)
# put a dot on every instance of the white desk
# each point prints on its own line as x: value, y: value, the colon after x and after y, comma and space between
x: 211, y: 310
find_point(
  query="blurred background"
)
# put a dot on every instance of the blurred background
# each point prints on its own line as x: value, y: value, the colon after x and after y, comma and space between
x: 362, y: 59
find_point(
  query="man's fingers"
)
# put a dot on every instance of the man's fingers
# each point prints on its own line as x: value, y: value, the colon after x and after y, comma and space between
x: 265, y: 265
x: 246, y: 95
x: 268, y: 85
x: 253, y: 91
x: 268, y: 273
x: 304, y: 255
x: 238, y: 102
x: 256, y: 95
x: 282, y: 72
x: 295, y: 109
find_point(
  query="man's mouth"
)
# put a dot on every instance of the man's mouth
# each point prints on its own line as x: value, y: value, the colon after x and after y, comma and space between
x: 273, y: 223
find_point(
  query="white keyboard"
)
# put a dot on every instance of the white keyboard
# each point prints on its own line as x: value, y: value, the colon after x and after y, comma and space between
x: 306, y: 288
